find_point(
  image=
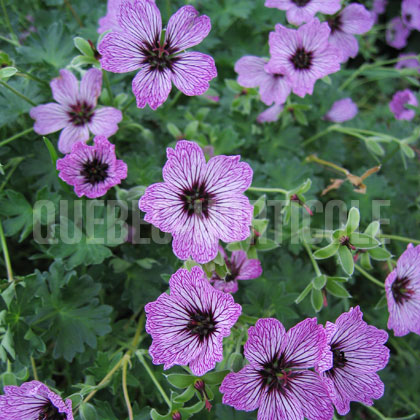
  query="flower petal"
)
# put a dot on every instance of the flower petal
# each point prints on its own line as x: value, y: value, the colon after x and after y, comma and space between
x: 65, y: 89
x: 251, y: 71
x: 277, y: 406
x: 91, y: 86
x: 105, y: 121
x: 356, y: 19
x: 49, y: 118
x: 271, y: 114
x: 71, y: 135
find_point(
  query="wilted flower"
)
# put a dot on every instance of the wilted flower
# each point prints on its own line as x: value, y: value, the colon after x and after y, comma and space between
x: 189, y: 324
x: 353, y: 19
x: 92, y: 170
x: 358, y: 352
x: 399, y: 102
x: 403, y: 293
x: 253, y: 72
x: 408, y: 62
x: 138, y: 45
x: 410, y: 12
x: 397, y: 33
x: 277, y: 380
x: 240, y: 268
x: 300, y: 11
x: 342, y: 110
x: 304, y: 55
x: 271, y: 114
x: 200, y: 203
x: 32, y: 401
x: 76, y: 110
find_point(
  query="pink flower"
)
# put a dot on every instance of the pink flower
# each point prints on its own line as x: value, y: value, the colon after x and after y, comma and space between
x: 92, y: 170
x: 33, y: 400
x: 354, y: 19
x: 138, y: 46
x: 199, y: 202
x: 399, y: 102
x: 277, y: 380
x: 342, y: 110
x: 76, y: 110
x: 300, y: 11
x: 403, y: 293
x: 271, y: 114
x: 358, y: 352
x: 253, y: 72
x: 303, y: 55
x: 397, y: 33
x: 410, y: 12
x: 379, y: 6
x: 240, y: 268
x: 189, y: 324
x: 410, y: 63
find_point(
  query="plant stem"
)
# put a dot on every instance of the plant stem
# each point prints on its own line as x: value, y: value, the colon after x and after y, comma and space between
x: 73, y: 12
x: 21, y: 95
x: 14, y: 164
x: 317, y: 136
x: 314, y: 263
x: 10, y: 41
x: 153, y: 378
x: 108, y: 85
x: 126, y: 106
x: 22, y: 73
x: 273, y: 190
x: 9, y: 26
x: 368, y: 276
x: 377, y: 412
x: 6, y: 255
x: 400, y: 238
x: 175, y: 100
x: 16, y: 136
x: 126, y: 359
x: 314, y: 158
x: 34, y: 369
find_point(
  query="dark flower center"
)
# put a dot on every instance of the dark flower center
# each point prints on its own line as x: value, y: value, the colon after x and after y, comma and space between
x: 408, y: 17
x: 277, y: 75
x: 81, y: 113
x: 95, y: 171
x: 302, y: 59
x: 234, y: 272
x: 159, y: 54
x: 275, y: 375
x: 197, y: 200
x: 339, y: 358
x: 202, y: 324
x: 401, y: 291
x: 50, y: 412
x: 301, y: 3
x: 335, y: 23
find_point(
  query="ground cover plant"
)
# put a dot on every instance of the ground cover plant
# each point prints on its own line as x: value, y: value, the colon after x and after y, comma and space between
x: 209, y: 210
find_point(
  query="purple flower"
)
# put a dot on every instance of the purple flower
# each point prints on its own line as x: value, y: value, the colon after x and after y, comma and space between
x: 199, y: 202
x: 32, y: 401
x: 399, y: 102
x: 410, y: 12
x: 358, y: 352
x: 76, y: 110
x: 189, y: 324
x: 92, y: 170
x: 354, y: 19
x: 397, y: 33
x: 253, y: 72
x: 271, y: 114
x: 300, y: 11
x: 403, y: 293
x: 303, y: 55
x: 240, y: 268
x: 379, y: 6
x: 138, y: 45
x: 277, y: 380
x: 342, y: 110
x: 411, y: 63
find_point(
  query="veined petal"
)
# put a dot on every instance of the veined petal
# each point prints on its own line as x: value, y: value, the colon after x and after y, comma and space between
x: 91, y: 86
x: 250, y: 269
x: 49, y: 118
x: 277, y: 406
x: 356, y: 19
x: 105, y: 121
x: 65, y: 89
x: 346, y: 44
x: 251, y: 71
x: 71, y: 135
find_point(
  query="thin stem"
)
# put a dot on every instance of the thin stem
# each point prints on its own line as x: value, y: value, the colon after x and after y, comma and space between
x: 400, y: 238
x: 73, y: 12
x: 14, y: 163
x: 21, y: 95
x: 273, y: 190
x: 153, y: 378
x: 127, y: 105
x: 175, y: 100
x: 408, y: 402
x: 9, y: 26
x: 10, y: 41
x: 314, y: 263
x: 314, y: 158
x: 22, y: 73
x: 126, y: 359
x: 6, y: 255
x: 377, y: 412
x: 369, y: 276
x: 317, y: 136
x: 108, y: 85
x: 34, y: 369
x: 16, y: 136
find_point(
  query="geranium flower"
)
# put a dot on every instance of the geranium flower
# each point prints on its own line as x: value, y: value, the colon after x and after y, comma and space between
x: 240, y: 267
x: 378, y: 8
x: 304, y: 55
x: 273, y: 87
x: 410, y: 63
x: 200, y: 203
x: 32, y: 401
x: 342, y: 110
x: 410, y: 12
x: 353, y: 19
x: 277, y: 380
x: 397, y: 33
x: 300, y: 11
x: 76, y: 110
x: 358, y: 352
x: 271, y: 114
x: 189, y: 324
x: 403, y: 293
x: 399, y: 102
x: 92, y: 170
x: 138, y: 45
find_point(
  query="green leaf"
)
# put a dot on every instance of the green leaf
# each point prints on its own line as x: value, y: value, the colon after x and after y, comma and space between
x: 373, y: 228
x: 319, y: 282
x: 7, y: 72
x: 380, y: 254
x: 327, y: 252
x: 365, y: 261
x: 259, y: 205
x: 363, y: 241
x: 174, y: 130
x: 382, y: 302
x: 88, y: 412
x: 375, y: 147
x: 156, y: 416
x: 305, y: 293
x: 215, y: 378
x: 83, y: 46
x: 235, y: 362
x: 180, y: 380
x: 353, y: 220
x: 300, y: 116
x: 260, y: 225
x: 337, y: 289
x: 51, y: 151
x: 317, y: 299
x: 345, y: 258
x: 407, y: 150
x: 265, y: 244
x: 185, y: 396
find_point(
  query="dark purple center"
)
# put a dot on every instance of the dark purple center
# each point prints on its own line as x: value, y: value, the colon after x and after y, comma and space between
x: 335, y: 23
x: 159, y: 54
x: 339, y: 358
x: 276, y: 375
x: 197, y: 200
x: 301, y: 3
x: 80, y: 114
x: 401, y: 290
x: 94, y: 171
x: 408, y: 17
x: 50, y: 412
x: 234, y: 271
x: 202, y: 324
x: 302, y: 59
